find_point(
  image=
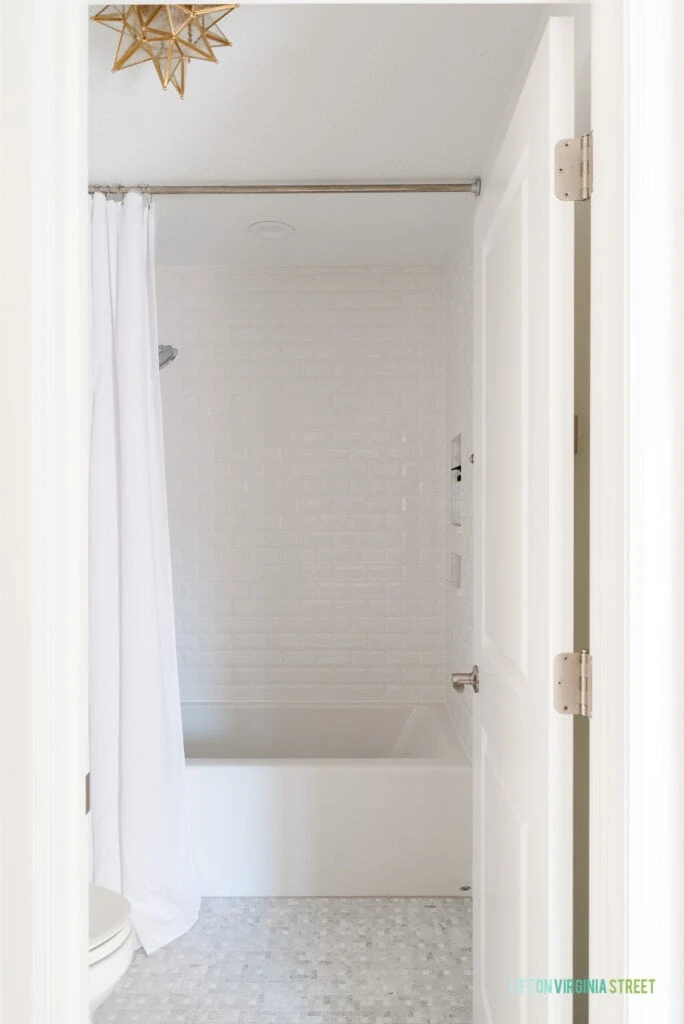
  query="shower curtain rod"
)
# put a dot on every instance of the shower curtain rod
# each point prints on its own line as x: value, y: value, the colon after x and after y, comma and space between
x: 472, y: 185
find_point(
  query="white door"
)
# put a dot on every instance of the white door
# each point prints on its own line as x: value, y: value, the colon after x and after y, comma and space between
x: 523, y: 554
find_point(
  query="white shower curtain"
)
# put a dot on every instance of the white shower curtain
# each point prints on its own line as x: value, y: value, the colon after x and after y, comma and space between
x: 140, y: 830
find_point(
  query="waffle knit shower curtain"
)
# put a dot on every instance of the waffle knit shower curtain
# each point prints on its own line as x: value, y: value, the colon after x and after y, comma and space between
x: 139, y: 823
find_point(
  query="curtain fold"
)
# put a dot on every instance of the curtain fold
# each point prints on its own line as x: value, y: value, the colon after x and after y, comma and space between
x: 139, y: 823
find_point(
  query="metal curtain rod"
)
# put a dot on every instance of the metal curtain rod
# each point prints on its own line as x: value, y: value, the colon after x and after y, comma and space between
x: 472, y: 185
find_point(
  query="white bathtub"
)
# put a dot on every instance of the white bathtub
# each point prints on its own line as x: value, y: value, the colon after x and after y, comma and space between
x: 320, y: 800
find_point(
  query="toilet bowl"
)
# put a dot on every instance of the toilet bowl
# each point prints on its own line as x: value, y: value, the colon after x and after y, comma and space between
x: 112, y: 942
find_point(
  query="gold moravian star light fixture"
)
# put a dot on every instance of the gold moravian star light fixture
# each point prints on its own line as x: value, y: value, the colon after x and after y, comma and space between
x: 168, y: 35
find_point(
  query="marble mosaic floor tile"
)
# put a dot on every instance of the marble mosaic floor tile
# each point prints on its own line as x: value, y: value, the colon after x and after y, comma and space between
x: 307, y: 961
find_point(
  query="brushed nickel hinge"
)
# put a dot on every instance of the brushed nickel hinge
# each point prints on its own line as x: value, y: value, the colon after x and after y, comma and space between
x: 572, y: 683
x: 574, y: 168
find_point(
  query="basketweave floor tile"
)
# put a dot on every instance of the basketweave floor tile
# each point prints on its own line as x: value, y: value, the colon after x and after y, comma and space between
x: 307, y: 961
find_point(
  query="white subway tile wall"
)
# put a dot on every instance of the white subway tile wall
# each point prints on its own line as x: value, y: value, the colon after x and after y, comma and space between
x: 304, y: 434
x: 458, y: 330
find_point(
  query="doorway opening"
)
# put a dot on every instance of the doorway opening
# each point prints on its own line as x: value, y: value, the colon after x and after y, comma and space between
x: 356, y: 483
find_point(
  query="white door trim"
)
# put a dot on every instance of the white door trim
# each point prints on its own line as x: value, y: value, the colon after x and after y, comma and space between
x: 655, y: 468
x: 637, y: 906
x: 43, y: 388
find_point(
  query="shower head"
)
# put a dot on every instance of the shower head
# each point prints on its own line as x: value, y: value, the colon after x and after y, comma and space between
x: 167, y: 354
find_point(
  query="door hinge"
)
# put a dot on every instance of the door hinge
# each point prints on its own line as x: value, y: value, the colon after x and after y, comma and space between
x: 572, y: 683
x: 574, y: 168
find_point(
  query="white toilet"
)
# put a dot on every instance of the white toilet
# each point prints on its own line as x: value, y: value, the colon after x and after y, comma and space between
x: 112, y: 942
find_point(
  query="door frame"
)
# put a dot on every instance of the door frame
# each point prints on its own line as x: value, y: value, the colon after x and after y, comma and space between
x: 43, y: 452
x: 637, y: 479
x: 636, y: 472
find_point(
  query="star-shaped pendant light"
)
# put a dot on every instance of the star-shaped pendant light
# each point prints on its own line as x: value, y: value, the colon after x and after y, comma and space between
x: 168, y: 35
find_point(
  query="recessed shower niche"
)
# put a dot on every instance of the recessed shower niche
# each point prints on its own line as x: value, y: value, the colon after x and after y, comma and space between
x: 456, y: 482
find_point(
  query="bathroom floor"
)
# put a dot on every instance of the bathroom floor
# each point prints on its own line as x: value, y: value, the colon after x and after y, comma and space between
x: 307, y: 961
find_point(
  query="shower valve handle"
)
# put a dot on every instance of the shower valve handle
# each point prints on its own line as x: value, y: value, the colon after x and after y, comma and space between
x: 459, y: 680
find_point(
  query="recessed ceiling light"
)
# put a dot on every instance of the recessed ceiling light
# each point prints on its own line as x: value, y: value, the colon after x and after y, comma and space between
x: 271, y: 230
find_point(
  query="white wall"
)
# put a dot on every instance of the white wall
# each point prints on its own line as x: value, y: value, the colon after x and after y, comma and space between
x: 458, y: 331
x: 304, y: 426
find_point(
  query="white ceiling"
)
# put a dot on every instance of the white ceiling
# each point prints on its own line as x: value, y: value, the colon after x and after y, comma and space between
x: 317, y: 92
